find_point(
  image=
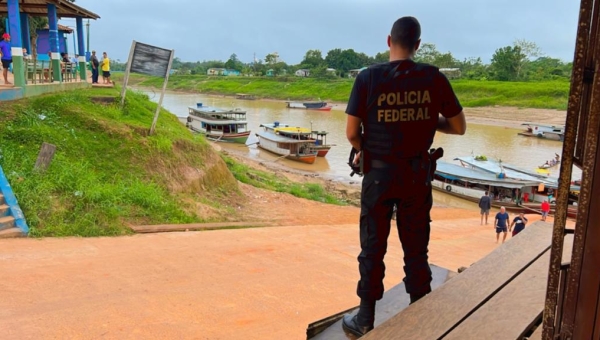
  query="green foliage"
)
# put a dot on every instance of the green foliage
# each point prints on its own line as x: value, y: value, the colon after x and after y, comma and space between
x: 106, y: 172
x: 507, y: 63
x: 261, y: 179
x: 471, y: 93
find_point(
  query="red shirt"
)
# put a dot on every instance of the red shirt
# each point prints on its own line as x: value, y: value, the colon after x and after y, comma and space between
x: 545, y: 206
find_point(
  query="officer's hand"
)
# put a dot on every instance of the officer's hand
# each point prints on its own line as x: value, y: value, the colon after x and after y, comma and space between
x: 356, y: 158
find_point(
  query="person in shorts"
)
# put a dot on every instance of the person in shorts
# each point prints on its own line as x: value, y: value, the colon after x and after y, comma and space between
x: 5, y: 56
x: 519, y: 223
x: 545, y: 210
x: 501, y: 224
x: 105, y: 68
x: 485, y: 204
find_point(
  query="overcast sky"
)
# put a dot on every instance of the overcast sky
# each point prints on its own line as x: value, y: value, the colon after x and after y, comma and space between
x: 208, y: 30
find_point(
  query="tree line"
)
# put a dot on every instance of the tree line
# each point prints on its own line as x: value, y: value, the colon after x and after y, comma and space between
x: 521, y: 61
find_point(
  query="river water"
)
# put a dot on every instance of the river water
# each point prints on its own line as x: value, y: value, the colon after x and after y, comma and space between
x: 492, y: 141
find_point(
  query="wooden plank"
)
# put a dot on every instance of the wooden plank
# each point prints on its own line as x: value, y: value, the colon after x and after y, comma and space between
x: 393, y: 301
x: 512, y: 311
x: 437, y: 313
x: 45, y: 156
x: 162, y: 228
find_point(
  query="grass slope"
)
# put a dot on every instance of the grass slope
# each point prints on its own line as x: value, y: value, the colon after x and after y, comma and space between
x: 471, y: 93
x: 106, y: 171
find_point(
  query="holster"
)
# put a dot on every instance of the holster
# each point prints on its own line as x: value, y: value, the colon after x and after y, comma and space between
x: 357, y: 169
x: 434, y: 155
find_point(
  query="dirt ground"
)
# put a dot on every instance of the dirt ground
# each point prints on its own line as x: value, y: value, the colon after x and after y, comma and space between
x: 262, y: 283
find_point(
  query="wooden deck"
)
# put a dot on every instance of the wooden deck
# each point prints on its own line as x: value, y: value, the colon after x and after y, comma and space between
x: 499, y: 297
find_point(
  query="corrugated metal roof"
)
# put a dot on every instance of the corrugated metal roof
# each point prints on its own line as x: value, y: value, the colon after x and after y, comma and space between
x: 64, y: 9
x: 510, y: 171
x: 479, y: 176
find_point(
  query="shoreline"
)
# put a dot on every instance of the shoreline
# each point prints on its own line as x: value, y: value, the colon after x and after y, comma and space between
x: 499, y: 116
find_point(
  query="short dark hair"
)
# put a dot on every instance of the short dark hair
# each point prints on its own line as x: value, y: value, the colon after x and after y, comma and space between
x: 406, y: 32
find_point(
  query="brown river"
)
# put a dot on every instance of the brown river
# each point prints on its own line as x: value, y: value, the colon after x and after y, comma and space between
x: 492, y: 141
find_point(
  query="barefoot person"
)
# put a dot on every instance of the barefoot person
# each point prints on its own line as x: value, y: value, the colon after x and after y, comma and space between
x: 393, y: 139
x: 5, y: 56
x: 501, y: 224
x: 485, y: 204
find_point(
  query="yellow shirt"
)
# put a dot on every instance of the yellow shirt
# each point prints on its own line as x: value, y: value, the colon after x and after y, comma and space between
x: 106, y: 64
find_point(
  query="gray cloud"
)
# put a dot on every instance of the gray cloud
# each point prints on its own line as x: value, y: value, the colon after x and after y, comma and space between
x: 205, y: 30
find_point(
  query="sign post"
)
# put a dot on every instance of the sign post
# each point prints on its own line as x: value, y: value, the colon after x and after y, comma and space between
x: 149, y: 60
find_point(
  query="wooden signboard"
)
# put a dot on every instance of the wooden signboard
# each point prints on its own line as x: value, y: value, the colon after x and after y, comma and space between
x: 149, y: 60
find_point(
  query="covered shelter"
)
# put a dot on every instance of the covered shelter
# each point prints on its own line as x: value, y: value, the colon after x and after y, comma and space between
x: 18, y: 12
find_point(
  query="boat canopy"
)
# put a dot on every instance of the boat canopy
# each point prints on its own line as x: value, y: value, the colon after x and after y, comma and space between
x: 457, y: 172
x: 511, y: 171
x: 281, y: 139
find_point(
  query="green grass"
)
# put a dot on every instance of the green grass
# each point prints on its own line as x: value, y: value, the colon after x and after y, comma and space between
x: 106, y: 172
x: 471, y: 93
x: 261, y: 179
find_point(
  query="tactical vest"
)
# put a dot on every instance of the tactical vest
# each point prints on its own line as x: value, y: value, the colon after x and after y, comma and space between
x: 403, y: 111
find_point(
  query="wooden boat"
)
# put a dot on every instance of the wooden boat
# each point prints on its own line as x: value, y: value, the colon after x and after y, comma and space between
x: 219, y: 124
x: 515, y: 190
x: 319, y: 137
x: 551, y: 163
x: 320, y: 105
x: 289, y: 142
x: 544, y: 131
x: 321, y: 145
x: 244, y: 96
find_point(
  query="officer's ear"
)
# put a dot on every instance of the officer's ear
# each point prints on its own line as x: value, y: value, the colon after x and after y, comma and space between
x: 417, y: 45
x: 389, y: 40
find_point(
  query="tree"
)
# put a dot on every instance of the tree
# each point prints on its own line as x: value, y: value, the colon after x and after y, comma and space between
x: 382, y: 57
x: 427, y: 53
x: 312, y: 59
x: 529, y: 48
x: 473, y: 68
x: 507, y: 63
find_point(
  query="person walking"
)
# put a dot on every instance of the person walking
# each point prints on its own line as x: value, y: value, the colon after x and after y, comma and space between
x: 545, y: 209
x: 485, y: 204
x: 501, y: 224
x: 95, y: 64
x: 519, y: 223
x: 393, y: 113
x: 105, y: 68
x: 5, y: 56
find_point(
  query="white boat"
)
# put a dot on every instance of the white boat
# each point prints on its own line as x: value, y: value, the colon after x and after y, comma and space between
x: 288, y: 142
x: 545, y: 131
x: 219, y: 124
x: 320, y: 105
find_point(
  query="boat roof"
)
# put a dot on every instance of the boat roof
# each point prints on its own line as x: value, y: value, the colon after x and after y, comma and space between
x: 457, y: 172
x: 219, y: 121
x: 282, y: 139
x: 209, y: 109
x: 511, y: 171
x: 272, y: 125
x: 545, y: 125
x: 289, y: 129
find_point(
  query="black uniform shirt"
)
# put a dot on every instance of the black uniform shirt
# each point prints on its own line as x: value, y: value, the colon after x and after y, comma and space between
x: 401, y: 112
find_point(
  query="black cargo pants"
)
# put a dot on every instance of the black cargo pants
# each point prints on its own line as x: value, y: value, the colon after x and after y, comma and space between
x: 406, y: 185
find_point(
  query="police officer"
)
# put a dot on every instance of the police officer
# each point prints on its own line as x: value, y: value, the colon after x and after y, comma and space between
x: 394, y: 110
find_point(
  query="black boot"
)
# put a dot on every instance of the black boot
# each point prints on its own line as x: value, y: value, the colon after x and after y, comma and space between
x: 416, y: 297
x: 363, y: 321
x: 350, y: 324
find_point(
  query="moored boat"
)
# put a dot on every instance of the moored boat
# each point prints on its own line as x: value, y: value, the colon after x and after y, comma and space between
x: 545, y: 131
x: 320, y: 105
x: 244, y: 96
x: 219, y: 124
x: 289, y: 142
x: 513, y: 189
x: 321, y: 145
x: 319, y: 137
